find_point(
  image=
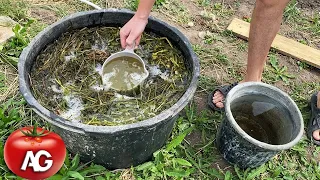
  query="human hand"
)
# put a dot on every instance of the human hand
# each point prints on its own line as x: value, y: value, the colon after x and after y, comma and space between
x: 131, y: 32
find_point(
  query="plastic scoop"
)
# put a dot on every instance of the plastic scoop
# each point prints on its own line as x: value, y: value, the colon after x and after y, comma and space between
x: 124, y: 70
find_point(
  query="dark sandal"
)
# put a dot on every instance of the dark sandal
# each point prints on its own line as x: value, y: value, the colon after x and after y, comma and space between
x: 314, y: 122
x: 224, y: 91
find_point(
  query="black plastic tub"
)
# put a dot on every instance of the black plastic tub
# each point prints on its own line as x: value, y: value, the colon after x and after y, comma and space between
x: 111, y: 146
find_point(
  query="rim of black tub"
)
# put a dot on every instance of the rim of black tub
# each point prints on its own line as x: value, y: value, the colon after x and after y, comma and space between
x: 56, y: 120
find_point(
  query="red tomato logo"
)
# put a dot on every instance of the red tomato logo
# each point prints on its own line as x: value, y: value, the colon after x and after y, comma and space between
x: 34, y: 153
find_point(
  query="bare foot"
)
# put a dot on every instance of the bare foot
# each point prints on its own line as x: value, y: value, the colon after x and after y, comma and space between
x: 217, y: 99
x: 316, y: 134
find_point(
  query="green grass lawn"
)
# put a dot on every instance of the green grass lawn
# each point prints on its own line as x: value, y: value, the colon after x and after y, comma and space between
x: 190, y: 152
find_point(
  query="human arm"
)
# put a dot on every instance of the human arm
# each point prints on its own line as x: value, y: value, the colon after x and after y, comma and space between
x: 132, y: 30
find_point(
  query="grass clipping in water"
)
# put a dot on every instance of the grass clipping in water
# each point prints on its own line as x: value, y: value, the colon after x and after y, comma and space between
x: 66, y: 78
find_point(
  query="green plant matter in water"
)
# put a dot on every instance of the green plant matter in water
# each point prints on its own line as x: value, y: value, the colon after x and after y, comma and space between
x: 66, y: 78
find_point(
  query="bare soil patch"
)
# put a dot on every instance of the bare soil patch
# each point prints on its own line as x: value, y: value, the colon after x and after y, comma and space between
x: 44, y: 15
x: 313, y: 5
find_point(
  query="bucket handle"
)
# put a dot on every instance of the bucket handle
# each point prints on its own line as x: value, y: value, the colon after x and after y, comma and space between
x: 130, y: 49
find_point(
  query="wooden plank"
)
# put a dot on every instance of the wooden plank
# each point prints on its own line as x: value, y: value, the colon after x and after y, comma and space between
x: 5, y: 34
x: 282, y: 44
x: 6, y: 25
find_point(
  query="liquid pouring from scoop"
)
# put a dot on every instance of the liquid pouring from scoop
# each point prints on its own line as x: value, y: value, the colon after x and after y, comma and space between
x: 124, y: 70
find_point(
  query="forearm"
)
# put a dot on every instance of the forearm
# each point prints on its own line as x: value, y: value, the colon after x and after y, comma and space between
x: 144, y: 8
x: 265, y: 24
x: 132, y: 30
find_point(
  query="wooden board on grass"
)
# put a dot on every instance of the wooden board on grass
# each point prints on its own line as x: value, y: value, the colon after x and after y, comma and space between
x: 6, y: 25
x: 284, y: 45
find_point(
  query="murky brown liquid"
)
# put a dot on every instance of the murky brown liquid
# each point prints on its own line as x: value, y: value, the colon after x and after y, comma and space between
x: 263, y: 119
x: 123, y: 73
